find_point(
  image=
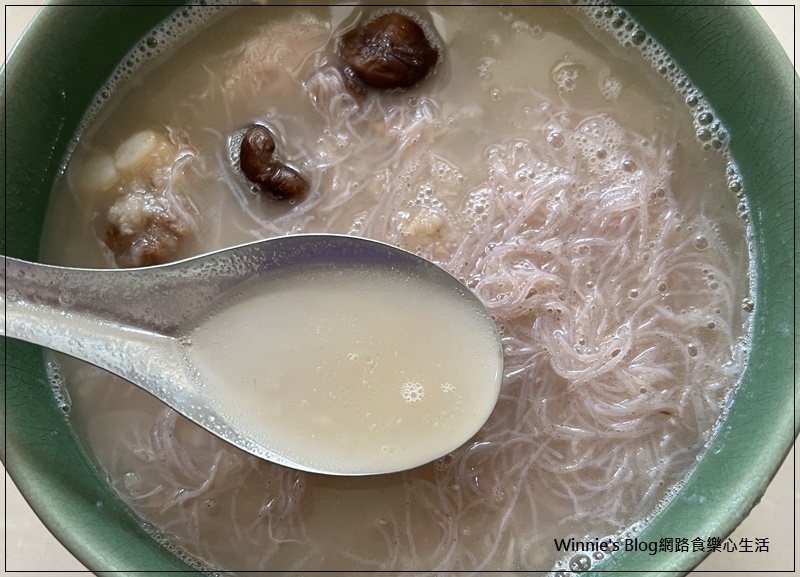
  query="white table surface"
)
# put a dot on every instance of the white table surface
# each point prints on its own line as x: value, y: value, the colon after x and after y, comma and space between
x: 31, y: 548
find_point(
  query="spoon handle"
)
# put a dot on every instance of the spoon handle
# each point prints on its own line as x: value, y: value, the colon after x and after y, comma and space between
x: 93, y: 315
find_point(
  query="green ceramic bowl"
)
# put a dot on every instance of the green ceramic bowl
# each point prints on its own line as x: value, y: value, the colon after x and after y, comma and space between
x: 729, y: 54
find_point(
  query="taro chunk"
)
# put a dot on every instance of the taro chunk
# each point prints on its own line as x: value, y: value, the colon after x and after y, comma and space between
x: 141, y: 148
x: 97, y: 175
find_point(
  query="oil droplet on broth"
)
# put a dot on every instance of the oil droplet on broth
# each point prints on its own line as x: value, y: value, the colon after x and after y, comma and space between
x: 354, y: 370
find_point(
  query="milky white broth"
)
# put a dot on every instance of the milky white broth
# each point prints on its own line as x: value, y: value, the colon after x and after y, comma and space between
x: 353, y: 370
x: 545, y: 163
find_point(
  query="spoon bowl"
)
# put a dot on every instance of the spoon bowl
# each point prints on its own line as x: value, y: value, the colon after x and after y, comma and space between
x: 146, y: 325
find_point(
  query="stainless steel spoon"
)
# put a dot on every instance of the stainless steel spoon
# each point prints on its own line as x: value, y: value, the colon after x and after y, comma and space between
x: 132, y: 322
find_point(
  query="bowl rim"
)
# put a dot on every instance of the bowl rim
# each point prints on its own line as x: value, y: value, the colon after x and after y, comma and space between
x: 26, y: 473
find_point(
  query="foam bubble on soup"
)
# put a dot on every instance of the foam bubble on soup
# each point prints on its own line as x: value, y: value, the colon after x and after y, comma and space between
x: 548, y: 163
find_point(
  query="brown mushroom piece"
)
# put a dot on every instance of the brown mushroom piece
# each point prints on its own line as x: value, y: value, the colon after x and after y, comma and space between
x: 284, y: 183
x: 391, y: 51
x: 274, y: 178
x: 258, y: 146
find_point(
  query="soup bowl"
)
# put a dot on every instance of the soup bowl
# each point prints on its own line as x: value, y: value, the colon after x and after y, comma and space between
x: 66, y: 56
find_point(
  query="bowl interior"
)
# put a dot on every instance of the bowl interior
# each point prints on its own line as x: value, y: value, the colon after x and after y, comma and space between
x: 54, y: 73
